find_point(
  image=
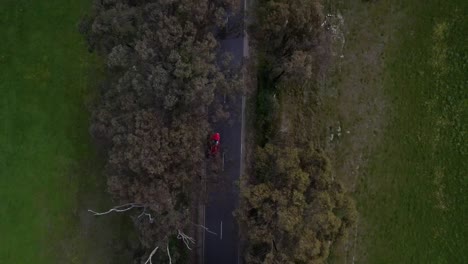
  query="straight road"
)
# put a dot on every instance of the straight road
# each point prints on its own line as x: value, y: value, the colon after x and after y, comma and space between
x: 223, y: 194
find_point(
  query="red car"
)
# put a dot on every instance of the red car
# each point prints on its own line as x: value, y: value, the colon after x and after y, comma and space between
x: 214, y: 144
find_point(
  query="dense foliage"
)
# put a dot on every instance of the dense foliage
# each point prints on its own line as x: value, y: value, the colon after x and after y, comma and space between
x: 292, y: 30
x: 294, y: 210
x: 152, y: 114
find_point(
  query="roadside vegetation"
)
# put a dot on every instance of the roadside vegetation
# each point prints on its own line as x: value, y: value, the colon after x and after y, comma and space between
x: 359, y: 109
x: 50, y: 172
x: 292, y: 208
x: 152, y: 116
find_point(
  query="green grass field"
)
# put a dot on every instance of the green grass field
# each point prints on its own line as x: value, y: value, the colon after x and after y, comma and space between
x: 47, y: 161
x: 413, y: 199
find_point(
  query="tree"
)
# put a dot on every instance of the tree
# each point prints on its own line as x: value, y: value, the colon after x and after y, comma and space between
x: 294, y: 211
x: 151, y: 117
x: 292, y: 30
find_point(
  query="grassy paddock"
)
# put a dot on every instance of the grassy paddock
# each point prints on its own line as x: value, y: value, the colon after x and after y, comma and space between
x: 412, y: 194
x: 49, y: 169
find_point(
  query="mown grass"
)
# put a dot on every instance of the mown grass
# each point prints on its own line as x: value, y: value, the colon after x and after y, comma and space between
x: 46, y: 157
x: 413, y: 198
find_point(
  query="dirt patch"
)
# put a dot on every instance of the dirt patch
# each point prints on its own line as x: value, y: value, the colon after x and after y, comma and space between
x: 355, y: 109
x: 352, y: 91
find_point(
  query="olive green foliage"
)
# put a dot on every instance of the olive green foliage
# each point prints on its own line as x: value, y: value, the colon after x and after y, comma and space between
x: 296, y: 209
x: 292, y: 30
x: 292, y: 208
x: 152, y: 116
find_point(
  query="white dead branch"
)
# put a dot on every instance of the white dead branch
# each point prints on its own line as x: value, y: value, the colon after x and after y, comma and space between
x: 186, y: 239
x: 169, y: 254
x: 206, y: 229
x: 150, y: 256
x: 118, y: 209
x: 150, y: 217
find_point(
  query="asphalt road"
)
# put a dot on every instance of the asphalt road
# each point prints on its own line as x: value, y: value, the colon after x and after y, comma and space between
x: 223, y: 194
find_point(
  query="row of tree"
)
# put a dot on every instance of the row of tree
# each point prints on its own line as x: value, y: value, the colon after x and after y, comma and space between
x: 292, y: 208
x: 151, y: 117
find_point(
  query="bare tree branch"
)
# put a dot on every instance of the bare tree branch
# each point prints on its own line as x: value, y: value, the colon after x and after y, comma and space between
x: 150, y: 256
x: 169, y: 254
x: 142, y: 213
x: 186, y: 239
x: 150, y: 217
x: 206, y: 229
x: 118, y: 209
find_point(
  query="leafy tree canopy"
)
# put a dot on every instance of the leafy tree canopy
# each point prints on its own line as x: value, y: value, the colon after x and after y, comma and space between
x: 163, y: 75
x: 295, y: 211
x: 292, y: 30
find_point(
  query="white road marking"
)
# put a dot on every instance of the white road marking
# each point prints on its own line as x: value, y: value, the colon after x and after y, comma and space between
x: 223, y: 162
x: 242, y: 138
x: 203, y: 247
